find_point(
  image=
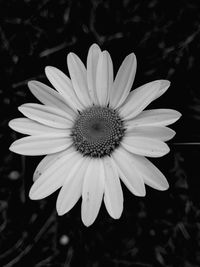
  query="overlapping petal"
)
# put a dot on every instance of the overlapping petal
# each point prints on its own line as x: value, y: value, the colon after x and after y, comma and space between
x: 113, y: 196
x: 64, y: 86
x: 54, y: 177
x: 104, y: 78
x: 149, y: 147
x: 123, y: 81
x: 156, y: 132
x: 127, y: 172
x: 150, y: 173
x: 93, y: 188
x: 30, y: 127
x: 78, y: 76
x: 49, y: 97
x: 47, y: 115
x: 72, y: 187
x: 40, y: 145
x: 154, y: 117
x: 92, y: 61
x: 140, y: 98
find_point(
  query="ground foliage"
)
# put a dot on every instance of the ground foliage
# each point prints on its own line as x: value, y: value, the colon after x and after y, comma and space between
x: 162, y: 229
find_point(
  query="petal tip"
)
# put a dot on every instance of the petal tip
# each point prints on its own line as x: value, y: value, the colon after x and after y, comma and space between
x: 59, y: 208
x: 179, y: 115
x: 70, y: 56
x: 165, y: 187
x: 173, y: 133
x: 132, y: 59
x: 10, y: 124
x: 117, y: 216
x: 87, y: 223
x: 48, y: 70
x: 94, y: 46
x: 165, y: 83
x: 31, y: 83
x: 32, y: 196
x: 60, y: 212
x: 11, y: 148
x: 133, y: 55
x: 167, y: 150
x: 20, y: 108
x: 142, y: 194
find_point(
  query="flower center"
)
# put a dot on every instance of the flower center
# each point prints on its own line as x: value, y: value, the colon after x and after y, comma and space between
x: 97, y: 131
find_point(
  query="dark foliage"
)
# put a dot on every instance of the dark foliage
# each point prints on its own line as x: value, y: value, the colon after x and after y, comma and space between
x: 162, y: 229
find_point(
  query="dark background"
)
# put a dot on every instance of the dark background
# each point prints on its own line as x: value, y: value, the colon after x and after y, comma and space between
x: 162, y: 229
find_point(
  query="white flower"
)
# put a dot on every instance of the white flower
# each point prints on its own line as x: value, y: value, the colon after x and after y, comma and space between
x: 94, y: 131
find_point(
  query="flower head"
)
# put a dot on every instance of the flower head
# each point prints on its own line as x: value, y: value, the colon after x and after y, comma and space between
x: 94, y: 132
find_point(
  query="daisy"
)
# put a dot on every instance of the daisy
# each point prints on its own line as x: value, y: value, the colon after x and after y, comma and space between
x: 94, y: 131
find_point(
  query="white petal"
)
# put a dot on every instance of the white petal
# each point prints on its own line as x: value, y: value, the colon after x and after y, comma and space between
x: 49, y: 96
x: 155, y: 117
x: 127, y: 172
x: 40, y: 145
x: 123, y: 81
x: 47, y: 115
x: 156, y: 132
x: 53, y: 177
x: 113, y: 195
x: 93, y: 188
x: 64, y: 86
x: 104, y: 77
x: 79, y: 78
x: 30, y: 127
x: 92, y: 60
x: 150, y: 173
x: 46, y: 162
x: 144, y: 146
x: 163, y: 88
x: 139, y: 98
x: 72, y: 188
